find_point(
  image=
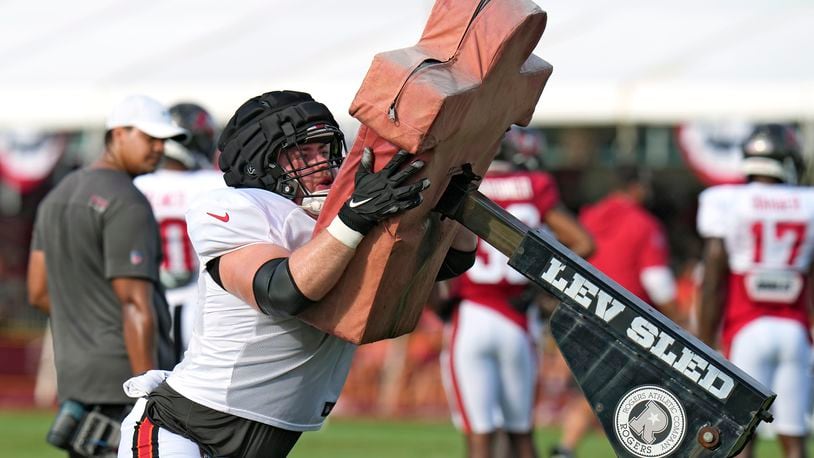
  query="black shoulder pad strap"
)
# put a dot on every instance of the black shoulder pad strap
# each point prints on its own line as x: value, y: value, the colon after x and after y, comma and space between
x: 213, y: 267
x: 274, y: 289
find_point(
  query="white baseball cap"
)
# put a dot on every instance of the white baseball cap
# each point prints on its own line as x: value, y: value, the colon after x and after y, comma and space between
x: 147, y: 115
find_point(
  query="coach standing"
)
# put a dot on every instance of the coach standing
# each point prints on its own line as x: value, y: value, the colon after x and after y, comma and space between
x: 94, y: 264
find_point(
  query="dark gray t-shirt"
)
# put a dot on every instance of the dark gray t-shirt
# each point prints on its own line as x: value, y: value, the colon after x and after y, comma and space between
x: 93, y: 227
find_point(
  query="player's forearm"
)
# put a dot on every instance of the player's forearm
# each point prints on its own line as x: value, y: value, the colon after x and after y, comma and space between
x: 672, y: 311
x: 569, y: 232
x: 317, y: 266
x: 583, y: 246
x: 710, y: 304
x: 139, y: 336
x: 37, y: 282
x: 41, y: 303
x: 708, y: 316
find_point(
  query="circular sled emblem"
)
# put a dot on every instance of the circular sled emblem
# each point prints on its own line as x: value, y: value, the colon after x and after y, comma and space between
x: 650, y: 422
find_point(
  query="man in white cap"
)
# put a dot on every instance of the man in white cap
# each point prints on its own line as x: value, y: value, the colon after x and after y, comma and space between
x: 94, y: 268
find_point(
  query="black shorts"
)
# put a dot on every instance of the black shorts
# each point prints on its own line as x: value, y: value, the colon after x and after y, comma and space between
x: 218, y: 434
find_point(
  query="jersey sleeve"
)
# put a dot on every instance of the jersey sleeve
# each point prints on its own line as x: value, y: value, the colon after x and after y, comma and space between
x: 546, y: 194
x: 222, y: 221
x: 655, y: 251
x: 130, y: 241
x: 713, y: 212
x: 298, y: 229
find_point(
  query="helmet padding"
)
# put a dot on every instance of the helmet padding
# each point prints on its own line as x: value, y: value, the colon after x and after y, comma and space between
x: 265, y: 125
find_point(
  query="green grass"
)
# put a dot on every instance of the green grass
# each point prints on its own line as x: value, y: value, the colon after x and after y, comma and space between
x: 22, y: 434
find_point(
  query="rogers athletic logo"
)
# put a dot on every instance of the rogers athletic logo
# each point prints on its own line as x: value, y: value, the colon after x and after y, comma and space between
x: 650, y: 422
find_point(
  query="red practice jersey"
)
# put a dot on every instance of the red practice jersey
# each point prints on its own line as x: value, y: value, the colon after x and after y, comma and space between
x: 528, y: 196
x: 628, y: 240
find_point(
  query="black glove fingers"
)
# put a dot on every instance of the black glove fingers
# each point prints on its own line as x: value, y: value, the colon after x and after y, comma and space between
x: 377, y: 196
x: 395, y: 163
x: 408, y: 171
x: 411, y: 203
x: 406, y: 192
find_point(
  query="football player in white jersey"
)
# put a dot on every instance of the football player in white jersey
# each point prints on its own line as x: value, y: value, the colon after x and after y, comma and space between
x: 254, y: 376
x: 185, y: 173
x: 759, y: 239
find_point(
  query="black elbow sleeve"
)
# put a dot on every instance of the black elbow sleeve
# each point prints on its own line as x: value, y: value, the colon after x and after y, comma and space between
x: 455, y: 263
x: 275, y: 290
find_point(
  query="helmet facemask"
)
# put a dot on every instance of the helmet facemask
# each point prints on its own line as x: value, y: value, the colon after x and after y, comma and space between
x: 318, y: 149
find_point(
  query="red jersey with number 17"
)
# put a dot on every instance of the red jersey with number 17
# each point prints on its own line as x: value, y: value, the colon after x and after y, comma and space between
x: 528, y: 196
x: 768, y: 232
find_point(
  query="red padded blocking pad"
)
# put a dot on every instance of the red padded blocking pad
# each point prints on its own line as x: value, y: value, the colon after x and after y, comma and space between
x: 449, y: 99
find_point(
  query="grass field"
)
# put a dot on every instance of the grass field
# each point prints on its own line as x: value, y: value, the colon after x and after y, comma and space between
x: 22, y: 435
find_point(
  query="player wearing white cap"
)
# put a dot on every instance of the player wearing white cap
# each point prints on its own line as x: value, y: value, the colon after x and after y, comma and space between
x: 94, y: 269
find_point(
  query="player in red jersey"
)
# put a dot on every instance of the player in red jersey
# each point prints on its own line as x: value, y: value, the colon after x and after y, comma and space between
x: 489, y: 363
x: 759, y: 240
x: 631, y: 248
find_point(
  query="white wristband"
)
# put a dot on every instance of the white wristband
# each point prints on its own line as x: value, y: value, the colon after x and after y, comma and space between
x: 344, y: 234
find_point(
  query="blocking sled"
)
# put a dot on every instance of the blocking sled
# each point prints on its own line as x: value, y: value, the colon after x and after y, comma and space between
x: 657, y: 390
x: 448, y: 100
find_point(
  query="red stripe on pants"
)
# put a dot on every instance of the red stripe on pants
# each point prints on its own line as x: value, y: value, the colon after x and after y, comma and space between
x: 144, y: 441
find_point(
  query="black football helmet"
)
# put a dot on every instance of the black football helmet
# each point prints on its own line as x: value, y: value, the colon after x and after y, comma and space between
x: 201, y: 126
x: 273, y: 123
x: 772, y: 150
x: 523, y: 148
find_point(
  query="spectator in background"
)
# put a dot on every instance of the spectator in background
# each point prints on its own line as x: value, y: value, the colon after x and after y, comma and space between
x: 631, y: 248
x: 756, y: 287
x: 489, y: 365
x: 185, y: 173
x: 94, y: 264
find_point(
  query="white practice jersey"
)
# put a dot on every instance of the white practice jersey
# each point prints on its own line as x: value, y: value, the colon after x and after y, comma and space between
x: 764, y: 226
x: 768, y: 232
x: 274, y: 369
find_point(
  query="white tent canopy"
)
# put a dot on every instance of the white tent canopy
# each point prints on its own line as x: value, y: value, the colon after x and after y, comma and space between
x: 64, y: 64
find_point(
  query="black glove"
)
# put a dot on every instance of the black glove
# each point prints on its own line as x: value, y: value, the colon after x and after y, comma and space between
x: 460, y: 185
x: 380, y: 195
